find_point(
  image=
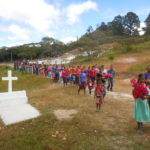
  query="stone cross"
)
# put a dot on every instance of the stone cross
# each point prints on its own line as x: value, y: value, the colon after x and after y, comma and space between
x: 9, y: 79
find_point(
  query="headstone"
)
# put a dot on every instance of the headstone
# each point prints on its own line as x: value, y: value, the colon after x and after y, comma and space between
x: 14, y: 106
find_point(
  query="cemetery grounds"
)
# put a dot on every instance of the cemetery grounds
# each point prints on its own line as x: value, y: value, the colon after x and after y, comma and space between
x: 111, y: 129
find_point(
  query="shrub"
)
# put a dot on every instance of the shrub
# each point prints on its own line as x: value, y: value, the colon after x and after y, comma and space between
x: 111, y: 55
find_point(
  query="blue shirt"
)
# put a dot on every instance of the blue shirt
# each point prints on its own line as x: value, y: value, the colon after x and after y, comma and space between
x: 112, y: 72
x: 82, y: 77
x: 147, y: 76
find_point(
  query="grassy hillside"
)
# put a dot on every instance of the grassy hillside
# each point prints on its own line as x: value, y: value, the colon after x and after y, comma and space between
x: 139, y: 51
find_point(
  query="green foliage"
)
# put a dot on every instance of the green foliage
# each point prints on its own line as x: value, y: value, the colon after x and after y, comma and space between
x: 89, y: 30
x: 129, y: 49
x: 111, y: 55
x: 118, y: 25
x: 122, y: 25
x: 131, y: 24
x: 138, y: 68
x: 48, y: 47
x: 143, y: 46
x: 24, y: 82
x: 147, y: 22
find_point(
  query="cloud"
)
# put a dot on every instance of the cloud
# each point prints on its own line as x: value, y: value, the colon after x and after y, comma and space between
x: 36, y: 13
x: 18, y: 33
x: 23, y: 20
x: 142, y: 25
x: 14, y: 44
x: 75, y: 10
x: 68, y: 39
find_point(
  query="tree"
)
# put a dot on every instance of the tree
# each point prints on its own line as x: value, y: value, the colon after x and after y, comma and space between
x: 52, y: 47
x: 89, y: 30
x: 131, y: 24
x: 103, y: 26
x: 147, y: 22
x: 118, y: 25
x: 47, y: 40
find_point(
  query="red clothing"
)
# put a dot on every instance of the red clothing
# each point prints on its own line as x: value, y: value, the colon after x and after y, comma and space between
x: 99, y: 100
x: 77, y: 72
x: 140, y: 90
x: 68, y: 72
x: 90, y: 85
x: 99, y: 90
x: 72, y: 71
x: 93, y: 73
x: 65, y: 73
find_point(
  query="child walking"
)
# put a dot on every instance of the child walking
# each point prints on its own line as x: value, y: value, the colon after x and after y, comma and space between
x: 82, y: 81
x: 98, y: 96
x: 90, y: 86
x: 111, y: 78
x: 141, y: 108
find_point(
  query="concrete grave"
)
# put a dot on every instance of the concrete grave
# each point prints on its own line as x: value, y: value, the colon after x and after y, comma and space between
x: 14, y: 106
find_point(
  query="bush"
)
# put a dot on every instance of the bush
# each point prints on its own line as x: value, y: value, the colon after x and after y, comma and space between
x: 111, y: 55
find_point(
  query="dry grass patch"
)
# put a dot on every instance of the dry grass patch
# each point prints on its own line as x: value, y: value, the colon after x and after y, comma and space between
x: 64, y: 113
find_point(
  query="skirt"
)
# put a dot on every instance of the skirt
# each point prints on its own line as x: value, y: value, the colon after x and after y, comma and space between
x: 141, y: 110
x: 99, y: 100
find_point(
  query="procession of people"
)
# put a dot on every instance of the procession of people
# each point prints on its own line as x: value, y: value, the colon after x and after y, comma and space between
x: 98, y: 80
x: 94, y: 78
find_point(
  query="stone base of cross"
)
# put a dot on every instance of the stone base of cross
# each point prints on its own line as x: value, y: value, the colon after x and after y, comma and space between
x: 14, y: 106
x: 9, y: 79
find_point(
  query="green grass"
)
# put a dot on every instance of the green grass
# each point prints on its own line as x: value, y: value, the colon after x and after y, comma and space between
x: 24, y: 82
x: 126, y: 49
x: 143, y: 46
x: 139, y: 67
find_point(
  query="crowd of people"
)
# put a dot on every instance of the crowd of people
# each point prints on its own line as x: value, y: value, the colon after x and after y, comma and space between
x: 141, y: 94
x: 98, y: 80
x: 92, y: 77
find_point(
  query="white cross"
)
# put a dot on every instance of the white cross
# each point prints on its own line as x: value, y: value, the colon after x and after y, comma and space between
x: 9, y: 79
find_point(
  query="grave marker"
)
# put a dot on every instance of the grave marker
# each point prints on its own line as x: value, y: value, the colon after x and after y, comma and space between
x: 14, y: 106
x: 9, y: 79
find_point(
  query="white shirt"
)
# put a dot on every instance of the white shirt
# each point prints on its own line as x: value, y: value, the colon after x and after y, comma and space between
x: 105, y: 71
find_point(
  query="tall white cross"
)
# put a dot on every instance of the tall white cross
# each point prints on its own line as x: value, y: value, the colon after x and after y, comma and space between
x: 9, y: 79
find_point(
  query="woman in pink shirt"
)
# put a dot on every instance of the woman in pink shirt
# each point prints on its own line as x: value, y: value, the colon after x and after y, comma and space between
x: 64, y: 76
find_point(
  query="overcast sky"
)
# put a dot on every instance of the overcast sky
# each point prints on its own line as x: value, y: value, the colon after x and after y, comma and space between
x: 26, y: 21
